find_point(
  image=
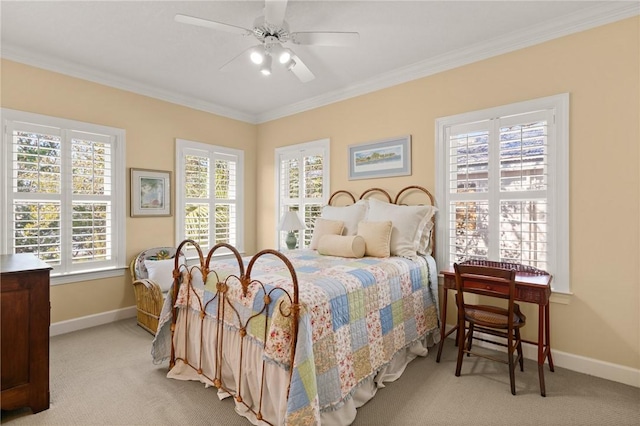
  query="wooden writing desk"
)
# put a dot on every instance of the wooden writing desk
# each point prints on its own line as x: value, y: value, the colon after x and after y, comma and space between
x: 530, y: 288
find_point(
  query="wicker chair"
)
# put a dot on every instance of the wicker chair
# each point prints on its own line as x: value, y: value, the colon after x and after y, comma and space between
x: 149, y: 296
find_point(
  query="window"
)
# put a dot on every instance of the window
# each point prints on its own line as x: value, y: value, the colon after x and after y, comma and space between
x: 302, y: 185
x: 61, y: 184
x: 209, y: 202
x: 502, y: 186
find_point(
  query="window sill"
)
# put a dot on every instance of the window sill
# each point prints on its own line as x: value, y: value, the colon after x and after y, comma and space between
x: 561, y: 298
x: 86, y: 276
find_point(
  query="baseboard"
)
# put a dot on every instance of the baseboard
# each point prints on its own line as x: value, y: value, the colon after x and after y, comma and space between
x: 593, y: 367
x: 75, y: 324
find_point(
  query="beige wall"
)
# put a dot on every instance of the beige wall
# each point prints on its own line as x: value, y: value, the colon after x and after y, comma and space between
x: 151, y: 129
x: 600, y: 69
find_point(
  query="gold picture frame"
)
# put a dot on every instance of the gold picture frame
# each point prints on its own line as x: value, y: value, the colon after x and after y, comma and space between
x: 150, y: 193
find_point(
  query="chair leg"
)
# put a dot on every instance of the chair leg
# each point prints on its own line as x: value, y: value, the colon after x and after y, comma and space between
x: 520, y: 355
x: 512, y: 374
x: 470, y: 338
x: 461, y: 339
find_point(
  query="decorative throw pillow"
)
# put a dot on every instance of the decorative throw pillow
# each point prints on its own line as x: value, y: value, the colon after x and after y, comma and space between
x: 377, y: 237
x: 342, y: 245
x: 325, y: 227
x: 160, y: 272
x: 350, y: 215
x: 410, y: 223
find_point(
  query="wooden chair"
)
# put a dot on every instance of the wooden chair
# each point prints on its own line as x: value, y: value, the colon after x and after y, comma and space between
x: 149, y: 295
x: 491, y: 320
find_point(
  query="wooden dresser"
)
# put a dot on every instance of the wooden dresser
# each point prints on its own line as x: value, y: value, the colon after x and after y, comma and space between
x: 25, y: 314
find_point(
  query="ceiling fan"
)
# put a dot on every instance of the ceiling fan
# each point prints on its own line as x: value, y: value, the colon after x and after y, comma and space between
x: 272, y: 33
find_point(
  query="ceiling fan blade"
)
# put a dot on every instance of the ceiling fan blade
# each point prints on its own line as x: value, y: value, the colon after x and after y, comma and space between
x: 191, y: 20
x: 301, y: 71
x: 274, y: 11
x: 341, y: 39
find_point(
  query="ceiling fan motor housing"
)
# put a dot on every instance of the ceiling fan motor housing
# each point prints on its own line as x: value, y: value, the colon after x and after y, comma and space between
x: 266, y: 32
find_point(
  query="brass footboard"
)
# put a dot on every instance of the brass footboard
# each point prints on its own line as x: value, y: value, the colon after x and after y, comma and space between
x: 226, y: 317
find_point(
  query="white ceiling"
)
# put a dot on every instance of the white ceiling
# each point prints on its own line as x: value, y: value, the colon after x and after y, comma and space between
x: 137, y: 45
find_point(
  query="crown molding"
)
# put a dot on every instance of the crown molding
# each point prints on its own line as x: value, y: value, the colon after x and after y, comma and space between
x: 586, y: 19
x: 51, y: 63
x: 591, y: 17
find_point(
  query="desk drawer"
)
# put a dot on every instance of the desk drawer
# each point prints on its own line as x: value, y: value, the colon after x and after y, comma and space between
x: 488, y: 288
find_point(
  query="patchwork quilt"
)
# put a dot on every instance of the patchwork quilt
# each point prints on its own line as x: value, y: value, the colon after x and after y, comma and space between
x: 356, y: 314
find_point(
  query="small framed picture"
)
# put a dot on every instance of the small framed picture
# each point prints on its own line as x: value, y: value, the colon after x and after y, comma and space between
x: 150, y: 193
x: 384, y: 158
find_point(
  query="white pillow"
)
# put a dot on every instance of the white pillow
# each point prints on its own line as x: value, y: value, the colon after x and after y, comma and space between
x: 350, y: 215
x: 425, y: 241
x: 377, y: 236
x: 161, y: 272
x: 323, y: 227
x: 411, y: 226
x: 342, y: 245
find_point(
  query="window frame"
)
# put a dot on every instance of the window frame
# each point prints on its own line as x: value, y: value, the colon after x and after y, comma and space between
x: 299, y: 150
x: 183, y: 146
x: 557, y: 187
x: 67, y: 273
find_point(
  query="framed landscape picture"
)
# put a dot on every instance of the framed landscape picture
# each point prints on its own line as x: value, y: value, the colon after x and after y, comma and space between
x: 150, y: 193
x: 385, y: 158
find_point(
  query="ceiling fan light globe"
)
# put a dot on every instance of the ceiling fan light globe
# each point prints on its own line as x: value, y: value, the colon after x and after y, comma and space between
x: 265, y: 68
x: 257, y: 57
x: 285, y: 57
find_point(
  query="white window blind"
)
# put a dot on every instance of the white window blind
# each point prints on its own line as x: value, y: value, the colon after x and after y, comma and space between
x: 503, y: 186
x: 61, y: 192
x: 210, y: 208
x: 302, y: 185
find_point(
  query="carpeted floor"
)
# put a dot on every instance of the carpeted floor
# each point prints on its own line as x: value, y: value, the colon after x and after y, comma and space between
x: 104, y: 376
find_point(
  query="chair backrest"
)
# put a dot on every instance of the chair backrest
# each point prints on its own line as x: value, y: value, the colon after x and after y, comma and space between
x: 138, y: 268
x: 485, y: 281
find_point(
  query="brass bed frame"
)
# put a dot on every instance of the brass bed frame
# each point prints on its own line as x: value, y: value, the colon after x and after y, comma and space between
x: 223, y: 304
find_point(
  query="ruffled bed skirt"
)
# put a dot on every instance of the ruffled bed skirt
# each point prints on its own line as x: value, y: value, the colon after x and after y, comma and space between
x: 276, y: 378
